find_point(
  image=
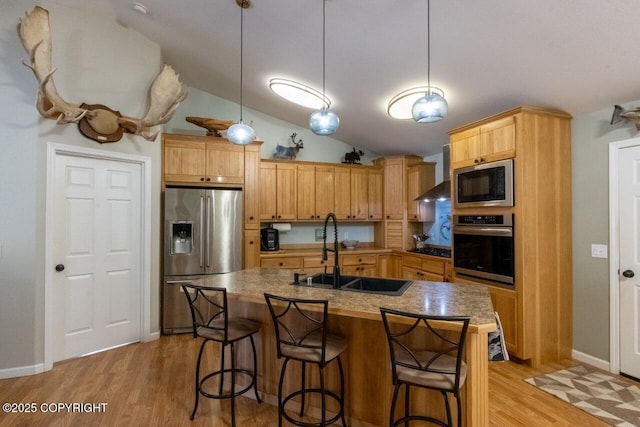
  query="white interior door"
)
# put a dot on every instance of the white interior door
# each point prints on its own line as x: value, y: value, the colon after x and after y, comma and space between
x: 629, y: 265
x: 97, y: 240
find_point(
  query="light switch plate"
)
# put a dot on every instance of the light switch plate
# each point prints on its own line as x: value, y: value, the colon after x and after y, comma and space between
x: 599, y: 251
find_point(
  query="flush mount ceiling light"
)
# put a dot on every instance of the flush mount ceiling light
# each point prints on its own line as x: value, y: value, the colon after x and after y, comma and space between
x: 240, y: 133
x: 400, y: 105
x: 432, y: 106
x: 299, y: 93
x: 323, y: 121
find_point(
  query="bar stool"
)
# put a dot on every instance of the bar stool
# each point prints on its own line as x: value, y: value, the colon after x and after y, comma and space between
x: 212, y: 323
x: 301, y: 334
x: 436, y: 363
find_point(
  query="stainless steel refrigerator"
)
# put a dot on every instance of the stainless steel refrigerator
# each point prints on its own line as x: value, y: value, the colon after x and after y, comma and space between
x: 202, y: 235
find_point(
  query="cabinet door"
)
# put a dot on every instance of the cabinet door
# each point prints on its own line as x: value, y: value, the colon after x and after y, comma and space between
x: 251, y: 248
x: 286, y: 192
x: 375, y: 177
x: 420, y: 178
x: 464, y: 146
x: 268, y: 189
x: 306, y: 197
x: 342, y: 196
x: 184, y: 161
x: 252, y: 186
x: 499, y: 138
x: 288, y: 263
x: 225, y: 163
x: 505, y: 303
x: 394, y: 234
x: 359, y: 194
x: 324, y: 191
x: 394, y: 189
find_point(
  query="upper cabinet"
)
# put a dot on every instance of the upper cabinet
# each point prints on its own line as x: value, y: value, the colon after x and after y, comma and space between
x: 375, y: 180
x: 316, y: 189
x: 487, y: 142
x: 277, y: 191
x: 191, y: 159
x: 352, y: 193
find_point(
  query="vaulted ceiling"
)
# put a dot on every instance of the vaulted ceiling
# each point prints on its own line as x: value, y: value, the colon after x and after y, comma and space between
x: 488, y: 56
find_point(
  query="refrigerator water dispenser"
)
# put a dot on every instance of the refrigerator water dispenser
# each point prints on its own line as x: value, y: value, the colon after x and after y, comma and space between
x: 181, y: 237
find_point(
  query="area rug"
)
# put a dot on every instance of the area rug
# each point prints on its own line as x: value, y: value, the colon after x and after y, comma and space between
x: 613, y: 400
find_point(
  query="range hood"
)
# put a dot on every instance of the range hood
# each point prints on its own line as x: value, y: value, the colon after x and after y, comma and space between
x: 442, y: 190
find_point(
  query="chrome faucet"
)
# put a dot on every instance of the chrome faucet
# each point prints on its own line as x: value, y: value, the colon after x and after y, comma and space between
x: 336, y: 266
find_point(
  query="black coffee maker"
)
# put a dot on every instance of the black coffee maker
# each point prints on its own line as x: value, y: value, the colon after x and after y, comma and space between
x: 269, y: 239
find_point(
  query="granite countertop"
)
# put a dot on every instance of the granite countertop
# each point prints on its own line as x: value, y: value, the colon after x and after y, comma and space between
x: 436, y: 298
x: 296, y: 252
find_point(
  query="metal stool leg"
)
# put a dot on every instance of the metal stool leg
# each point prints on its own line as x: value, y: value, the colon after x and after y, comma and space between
x: 233, y: 385
x: 255, y: 369
x: 344, y: 421
x: 195, y: 406
x: 304, y: 373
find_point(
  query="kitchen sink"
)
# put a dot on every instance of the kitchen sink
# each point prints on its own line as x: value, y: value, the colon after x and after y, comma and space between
x: 376, y: 285
x: 372, y: 285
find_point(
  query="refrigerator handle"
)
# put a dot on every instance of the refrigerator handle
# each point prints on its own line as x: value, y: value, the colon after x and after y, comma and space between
x: 201, y: 228
x: 208, y: 231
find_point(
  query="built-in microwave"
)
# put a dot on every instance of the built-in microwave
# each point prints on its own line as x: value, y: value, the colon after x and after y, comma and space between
x: 486, y: 184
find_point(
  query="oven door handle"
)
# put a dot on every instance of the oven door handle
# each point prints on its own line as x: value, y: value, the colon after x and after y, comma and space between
x: 484, y: 231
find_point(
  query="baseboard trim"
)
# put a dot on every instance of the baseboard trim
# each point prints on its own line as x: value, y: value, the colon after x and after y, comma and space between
x: 22, y: 371
x: 591, y: 360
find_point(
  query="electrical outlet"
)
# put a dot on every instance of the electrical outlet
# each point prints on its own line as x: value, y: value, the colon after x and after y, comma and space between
x: 599, y: 251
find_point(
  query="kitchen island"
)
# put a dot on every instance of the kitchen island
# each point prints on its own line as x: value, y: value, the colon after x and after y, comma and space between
x: 356, y: 316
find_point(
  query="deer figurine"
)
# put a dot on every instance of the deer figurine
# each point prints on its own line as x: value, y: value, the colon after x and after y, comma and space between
x: 290, y: 153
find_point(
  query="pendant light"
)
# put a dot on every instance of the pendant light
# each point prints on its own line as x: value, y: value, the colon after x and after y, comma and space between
x: 323, y: 121
x: 240, y: 133
x: 432, y: 106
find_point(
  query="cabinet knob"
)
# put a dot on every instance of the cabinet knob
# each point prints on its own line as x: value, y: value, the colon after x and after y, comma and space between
x: 281, y: 264
x: 208, y: 179
x: 251, y: 218
x: 251, y: 242
x: 273, y: 217
x: 387, y: 216
x: 370, y: 216
x: 202, y: 179
x: 279, y: 216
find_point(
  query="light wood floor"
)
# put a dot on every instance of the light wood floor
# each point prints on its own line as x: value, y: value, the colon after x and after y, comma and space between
x: 151, y: 384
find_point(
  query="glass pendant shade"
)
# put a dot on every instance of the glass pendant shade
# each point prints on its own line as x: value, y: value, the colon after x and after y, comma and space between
x: 240, y: 133
x: 430, y: 108
x: 324, y: 122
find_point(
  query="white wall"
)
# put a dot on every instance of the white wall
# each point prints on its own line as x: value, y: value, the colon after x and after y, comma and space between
x: 268, y: 129
x: 98, y: 61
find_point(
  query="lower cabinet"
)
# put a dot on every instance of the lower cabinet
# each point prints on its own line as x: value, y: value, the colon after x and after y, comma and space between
x: 251, y: 248
x: 315, y: 264
x: 287, y: 263
x: 421, y: 268
x: 505, y: 303
x: 359, y: 265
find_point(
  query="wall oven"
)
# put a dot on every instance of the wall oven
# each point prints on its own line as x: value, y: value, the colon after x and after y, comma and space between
x: 483, y: 247
x: 487, y: 184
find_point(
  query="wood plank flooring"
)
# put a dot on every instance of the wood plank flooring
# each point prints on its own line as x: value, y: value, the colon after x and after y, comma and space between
x: 151, y: 384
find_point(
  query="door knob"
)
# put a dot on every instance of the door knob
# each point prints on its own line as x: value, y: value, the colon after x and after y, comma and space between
x: 59, y: 267
x: 628, y: 273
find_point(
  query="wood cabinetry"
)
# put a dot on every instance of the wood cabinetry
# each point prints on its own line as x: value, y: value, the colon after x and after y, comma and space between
x: 252, y: 186
x: 375, y: 178
x: 536, y: 313
x: 395, y: 230
x: 277, y: 191
x: 251, y: 248
x: 487, y: 142
x: 352, y: 193
x: 359, y: 265
x: 315, y: 195
x: 203, y: 160
x: 315, y: 264
x: 420, y: 178
x: 287, y: 263
x: 423, y: 268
